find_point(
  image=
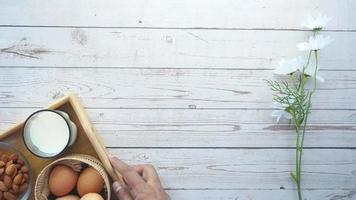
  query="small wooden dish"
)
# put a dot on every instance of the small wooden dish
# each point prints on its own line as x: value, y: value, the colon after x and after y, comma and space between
x: 87, y: 142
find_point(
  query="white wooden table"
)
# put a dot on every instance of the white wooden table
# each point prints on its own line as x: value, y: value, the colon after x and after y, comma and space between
x: 180, y: 84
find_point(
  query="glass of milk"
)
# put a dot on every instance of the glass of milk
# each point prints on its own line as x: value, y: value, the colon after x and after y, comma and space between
x: 47, y: 133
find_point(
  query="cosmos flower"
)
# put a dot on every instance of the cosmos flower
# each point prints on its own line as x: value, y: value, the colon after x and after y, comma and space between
x: 280, y: 112
x: 310, y: 70
x: 315, y: 43
x: 286, y: 67
x: 316, y: 23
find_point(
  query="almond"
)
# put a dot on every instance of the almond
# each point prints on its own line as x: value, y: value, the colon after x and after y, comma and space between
x: 23, y: 181
x: 10, y: 162
x: 9, y: 196
x: 2, y: 163
x: 18, y: 166
x: 24, y: 178
x: 7, y: 181
x: 2, y: 171
x: 14, y: 157
x: 18, y: 179
x: 21, y: 162
x: 15, y: 188
x: 24, y: 169
x: 3, y: 187
x: 11, y: 170
x: 5, y: 158
x: 23, y: 187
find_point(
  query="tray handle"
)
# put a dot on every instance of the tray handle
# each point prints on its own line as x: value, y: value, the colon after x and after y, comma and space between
x: 94, y: 138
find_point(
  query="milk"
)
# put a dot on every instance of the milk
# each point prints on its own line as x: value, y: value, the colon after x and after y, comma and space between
x: 46, y: 133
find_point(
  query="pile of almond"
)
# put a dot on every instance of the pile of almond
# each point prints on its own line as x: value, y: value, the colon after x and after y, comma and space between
x: 13, y: 176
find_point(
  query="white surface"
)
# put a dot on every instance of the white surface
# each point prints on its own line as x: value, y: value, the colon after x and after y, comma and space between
x: 181, y: 84
x: 47, y: 132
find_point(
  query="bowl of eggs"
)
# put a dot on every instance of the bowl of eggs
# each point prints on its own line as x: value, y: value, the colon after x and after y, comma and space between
x: 74, y: 177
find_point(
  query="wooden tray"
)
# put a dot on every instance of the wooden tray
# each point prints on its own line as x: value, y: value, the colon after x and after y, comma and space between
x: 87, y: 141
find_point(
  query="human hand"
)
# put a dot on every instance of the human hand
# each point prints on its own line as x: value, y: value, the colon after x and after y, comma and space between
x: 142, y: 180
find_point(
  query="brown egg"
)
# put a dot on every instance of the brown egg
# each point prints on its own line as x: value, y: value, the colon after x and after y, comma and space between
x: 68, y: 197
x: 92, y: 196
x: 90, y: 181
x: 62, y: 180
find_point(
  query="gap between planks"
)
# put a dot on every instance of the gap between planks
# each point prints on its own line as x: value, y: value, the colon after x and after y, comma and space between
x: 143, y: 108
x: 158, y: 68
x: 171, y: 28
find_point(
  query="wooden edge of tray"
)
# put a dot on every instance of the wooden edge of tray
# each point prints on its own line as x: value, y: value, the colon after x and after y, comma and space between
x: 8, y: 131
x: 93, y: 137
x: 89, y: 129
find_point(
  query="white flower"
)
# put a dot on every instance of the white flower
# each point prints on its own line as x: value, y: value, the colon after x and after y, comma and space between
x: 289, y: 66
x: 315, y: 43
x: 280, y: 113
x: 318, y: 22
x: 310, y: 70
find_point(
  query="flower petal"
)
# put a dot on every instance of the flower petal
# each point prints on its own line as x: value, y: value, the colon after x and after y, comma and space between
x: 318, y: 22
x: 319, y: 78
x: 303, y: 46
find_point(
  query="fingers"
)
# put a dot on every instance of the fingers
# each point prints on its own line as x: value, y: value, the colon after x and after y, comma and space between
x: 132, y: 178
x: 149, y: 173
x: 121, y: 192
x: 118, y: 164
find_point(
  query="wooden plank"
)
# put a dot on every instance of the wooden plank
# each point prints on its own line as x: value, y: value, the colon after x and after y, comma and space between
x: 208, y: 128
x: 161, y: 48
x: 135, y: 119
x: 262, y: 169
x: 257, y: 194
x: 178, y: 13
x: 162, y: 88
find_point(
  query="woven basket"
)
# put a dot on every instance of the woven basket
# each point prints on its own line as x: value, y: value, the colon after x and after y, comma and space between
x: 76, y: 162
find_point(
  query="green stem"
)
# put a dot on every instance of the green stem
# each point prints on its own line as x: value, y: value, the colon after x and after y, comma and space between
x: 300, y: 141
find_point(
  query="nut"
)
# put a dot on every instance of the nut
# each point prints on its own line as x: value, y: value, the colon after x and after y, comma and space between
x: 9, y: 196
x: 10, y: 162
x: 21, y: 162
x: 3, y: 187
x: 24, y: 178
x: 14, y: 157
x: 5, y: 158
x: 18, y: 179
x: 18, y: 166
x: 23, y: 181
x: 2, y: 171
x: 7, y: 181
x: 15, y: 188
x: 2, y: 163
x: 24, y: 169
x: 11, y: 170
x: 23, y: 187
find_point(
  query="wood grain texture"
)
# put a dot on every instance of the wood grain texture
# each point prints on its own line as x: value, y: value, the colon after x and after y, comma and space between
x: 162, y: 88
x: 246, y: 169
x: 181, y: 84
x: 209, y: 128
x: 162, y: 48
x: 274, y: 14
x: 258, y: 194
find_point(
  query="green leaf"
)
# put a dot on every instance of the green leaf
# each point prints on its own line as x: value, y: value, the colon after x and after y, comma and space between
x: 293, y: 176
